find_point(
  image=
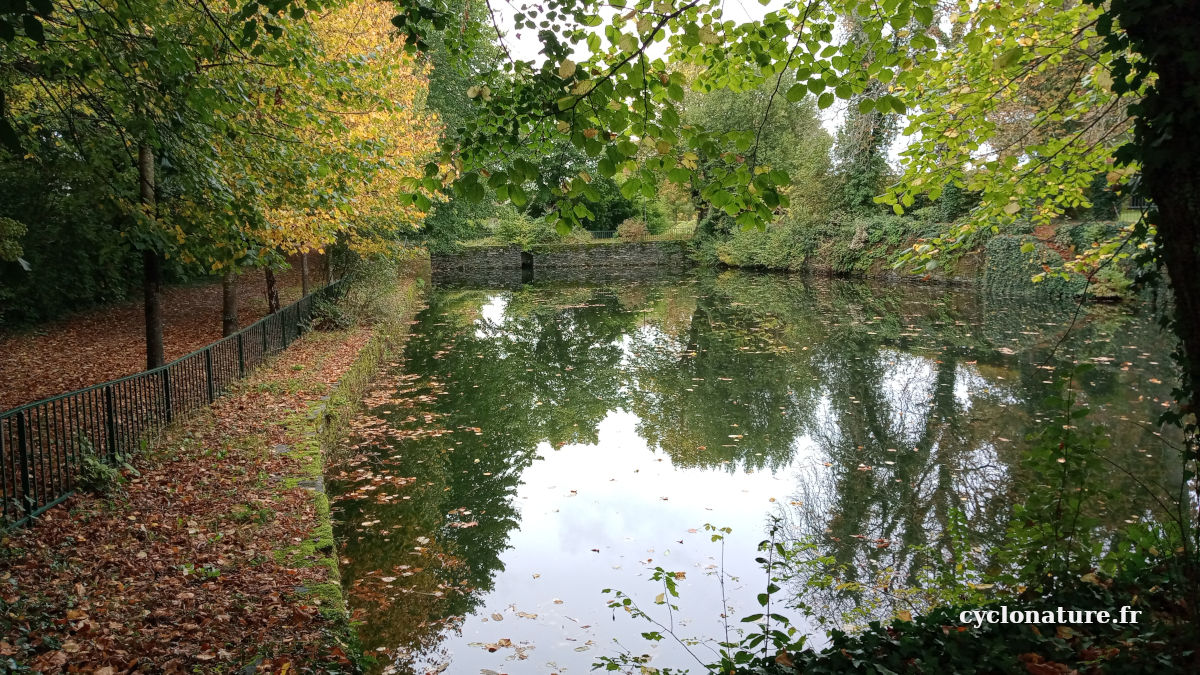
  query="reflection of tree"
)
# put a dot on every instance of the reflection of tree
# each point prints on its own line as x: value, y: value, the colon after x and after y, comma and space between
x: 911, y: 436
x: 906, y: 405
x: 492, y: 388
x: 721, y: 394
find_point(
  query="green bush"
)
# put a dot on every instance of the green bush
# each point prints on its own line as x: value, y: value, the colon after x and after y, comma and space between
x: 371, y: 296
x: 579, y: 236
x: 512, y: 227
x: 73, y: 253
x: 328, y: 315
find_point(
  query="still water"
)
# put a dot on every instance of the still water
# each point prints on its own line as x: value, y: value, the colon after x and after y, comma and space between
x: 538, y: 444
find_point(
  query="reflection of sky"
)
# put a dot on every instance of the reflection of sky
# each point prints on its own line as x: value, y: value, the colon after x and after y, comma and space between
x: 491, y: 314
x: 602, y: 516
x: 636, y: 509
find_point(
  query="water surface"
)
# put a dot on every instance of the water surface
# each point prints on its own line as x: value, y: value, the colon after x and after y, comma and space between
x: 540, y: 443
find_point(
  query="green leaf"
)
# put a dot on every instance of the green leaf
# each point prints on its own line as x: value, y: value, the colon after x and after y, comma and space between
x: 606, y: 167
x: 825, y: 100
x: 796, y: 93
x: 1010, y: 57
x: 517, y: 194
x: 473, y: 189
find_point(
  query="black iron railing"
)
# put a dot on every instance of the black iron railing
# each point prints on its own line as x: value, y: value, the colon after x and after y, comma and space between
x: 43, y: 445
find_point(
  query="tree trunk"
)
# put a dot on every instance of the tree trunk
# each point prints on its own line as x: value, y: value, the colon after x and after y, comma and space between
x: 272, y: 292
x: 1167, y: 134
x: 152, y: 272
x: 229, y: 303
x: 1178, y: 218
x: 303, y: 274
x: 327, y: 261
x: 152, y: 283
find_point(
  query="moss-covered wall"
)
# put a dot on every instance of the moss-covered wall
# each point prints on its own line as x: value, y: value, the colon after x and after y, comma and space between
x: 322, y: 427
x: 661, y: 254
x: 504, y: 265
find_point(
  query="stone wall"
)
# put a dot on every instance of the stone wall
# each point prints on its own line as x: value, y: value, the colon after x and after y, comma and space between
x: 510, y: 265
x: 668, y: 254
x: 476, y: 258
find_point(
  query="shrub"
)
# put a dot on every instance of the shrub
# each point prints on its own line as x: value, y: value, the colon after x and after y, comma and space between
x: 329, y: 315
x: 579, y: 236
x: 512, y: 227
x: 96, y: 475
x: 633, y: 229
x: 1083, y: 235
x: 372, y: 295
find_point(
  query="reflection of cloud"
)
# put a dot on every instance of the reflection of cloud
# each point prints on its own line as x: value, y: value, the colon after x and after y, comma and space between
x: 907, y: 385
x: 493, y: 309
x: 491, y: 316
x: 618, y: 508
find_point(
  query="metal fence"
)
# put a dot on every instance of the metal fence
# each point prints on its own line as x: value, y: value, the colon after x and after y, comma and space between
x: 43, y: 444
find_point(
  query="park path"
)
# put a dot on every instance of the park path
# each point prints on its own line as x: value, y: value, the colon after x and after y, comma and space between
x: 104, y: 343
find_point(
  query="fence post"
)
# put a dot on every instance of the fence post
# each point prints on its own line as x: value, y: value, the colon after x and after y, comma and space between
x: 166, y: 385
x: 208, y: 376
x: 26, y: 469
x: 110, y: 423
x: 241, y: 356
x: 264, y: 334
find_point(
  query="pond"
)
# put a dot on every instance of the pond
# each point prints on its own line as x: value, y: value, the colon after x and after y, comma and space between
x: 538, y: 444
